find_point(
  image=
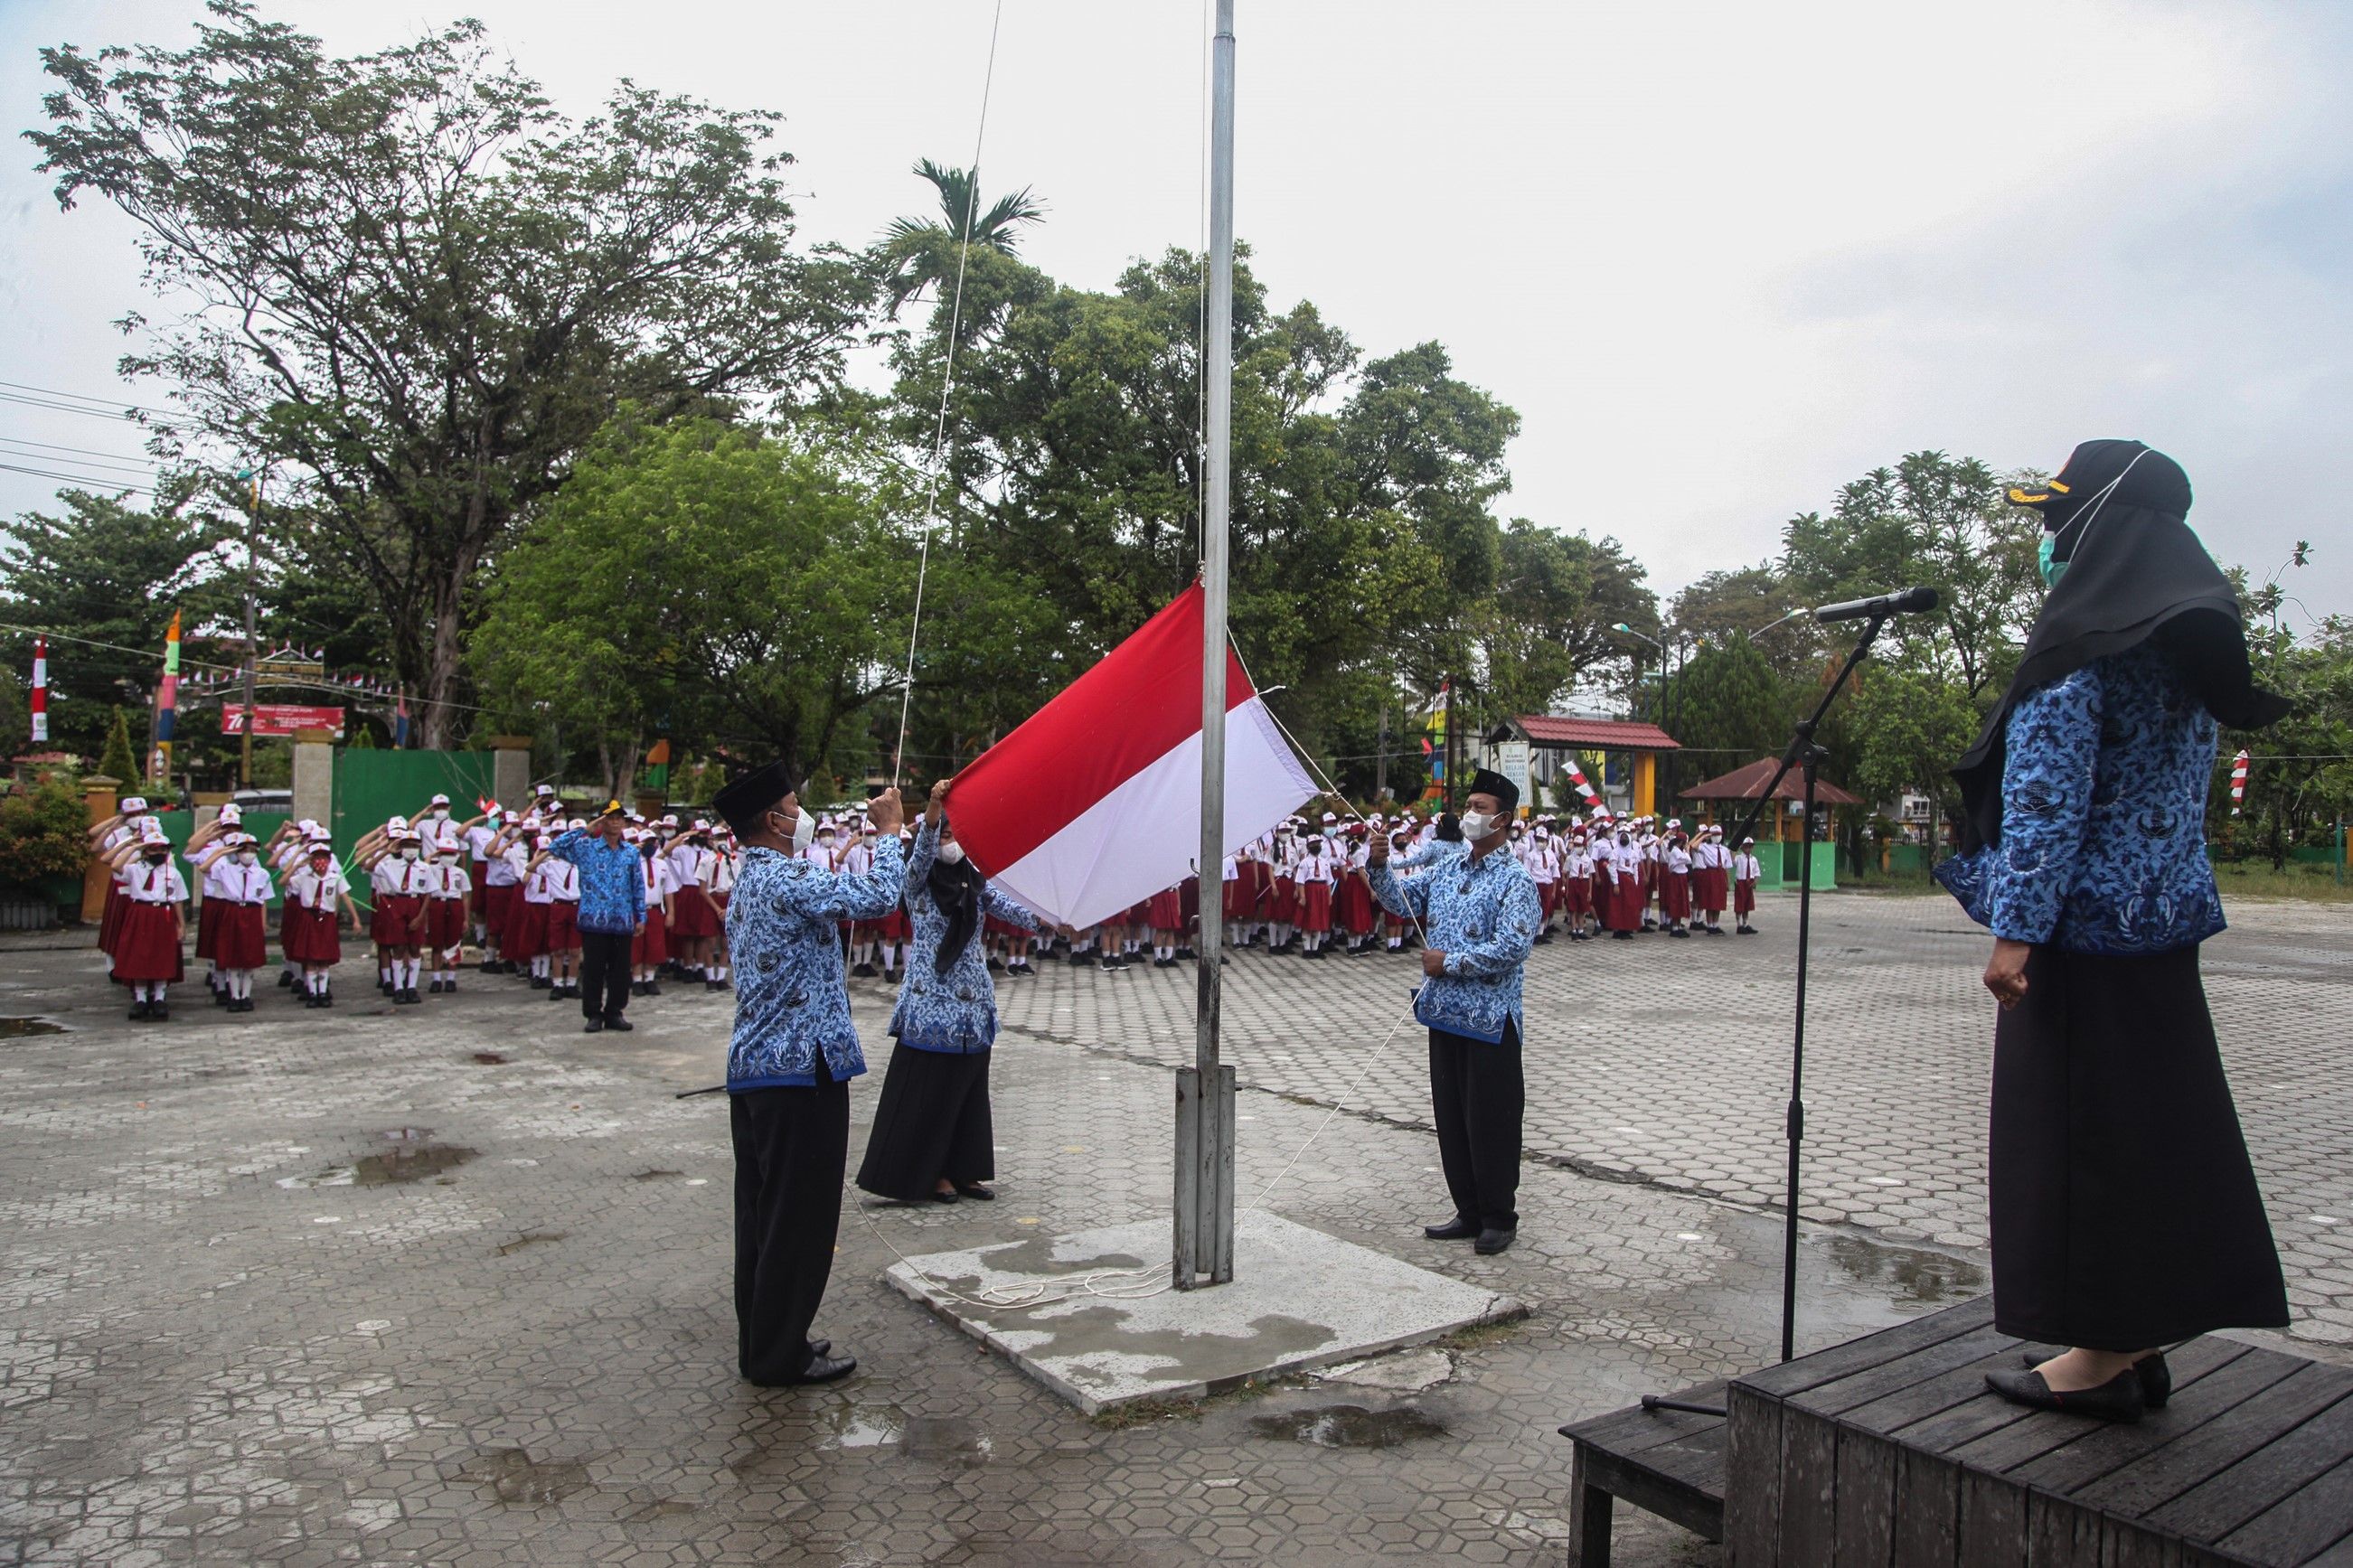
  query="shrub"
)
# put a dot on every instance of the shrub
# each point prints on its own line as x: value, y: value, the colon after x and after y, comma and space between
x: 43, y: 833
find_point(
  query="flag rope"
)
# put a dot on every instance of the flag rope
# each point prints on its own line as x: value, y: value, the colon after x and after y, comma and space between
x: 947, y: 386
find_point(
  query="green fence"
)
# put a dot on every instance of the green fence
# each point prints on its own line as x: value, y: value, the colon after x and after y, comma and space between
x: 370, y: 786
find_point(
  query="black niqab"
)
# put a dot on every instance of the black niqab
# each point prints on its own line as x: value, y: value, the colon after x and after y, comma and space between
x: 957, y: 890
x: 2136, y: 573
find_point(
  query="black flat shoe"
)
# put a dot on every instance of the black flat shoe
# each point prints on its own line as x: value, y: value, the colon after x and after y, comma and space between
x: 623, y: 1025
x: 975, y: 1192
x: 825, y: 1369
x: 2118, y: 1399
x: 593, y: 1026
x: 1452, y: 1230
x: 2155, y: 1377
x: 1491, y: 1242
x: 940, y: 1197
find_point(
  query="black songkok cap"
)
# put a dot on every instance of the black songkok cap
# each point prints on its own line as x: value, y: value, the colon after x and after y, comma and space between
x: 744, y: 802
x: 1487, y: 782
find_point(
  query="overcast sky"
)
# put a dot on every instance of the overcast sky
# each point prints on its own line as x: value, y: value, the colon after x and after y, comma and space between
x: 1721, y: 257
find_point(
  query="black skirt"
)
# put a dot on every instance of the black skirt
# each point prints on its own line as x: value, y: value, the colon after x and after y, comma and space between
x: 2125, y: 1214
x: 931, y: 1122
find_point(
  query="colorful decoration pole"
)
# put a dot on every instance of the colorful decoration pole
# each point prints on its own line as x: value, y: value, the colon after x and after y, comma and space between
x: 167, y: 699
x: 2238, y: 780
x: 400, y: 723
x: 40, y: 689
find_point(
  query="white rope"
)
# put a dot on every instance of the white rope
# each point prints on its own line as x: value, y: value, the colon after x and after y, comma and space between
x: 947, y: 386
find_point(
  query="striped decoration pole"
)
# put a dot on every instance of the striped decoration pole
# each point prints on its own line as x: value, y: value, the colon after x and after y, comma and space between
x: 40, y: 689
x: 2239, y: 781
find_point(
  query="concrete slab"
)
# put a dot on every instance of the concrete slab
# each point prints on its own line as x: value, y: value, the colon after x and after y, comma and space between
x: 1101, y: 1335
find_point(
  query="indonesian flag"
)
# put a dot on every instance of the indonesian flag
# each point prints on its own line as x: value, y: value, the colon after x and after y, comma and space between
x: 1094, y: 804
x: 2238, y: 780
x: 40, y: 688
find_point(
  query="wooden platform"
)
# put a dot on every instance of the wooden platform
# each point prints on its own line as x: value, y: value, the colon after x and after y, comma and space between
x: 1670, y: 1462
x: 1889, y: 1450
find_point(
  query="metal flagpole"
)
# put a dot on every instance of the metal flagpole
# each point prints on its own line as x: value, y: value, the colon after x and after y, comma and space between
x: 1204, y: 1239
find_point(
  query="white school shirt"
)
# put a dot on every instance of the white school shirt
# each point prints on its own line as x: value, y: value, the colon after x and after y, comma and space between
x: 538, y: 884
x: 215, y: 881
x: 505, y: 868
x: 315, y: 889
x: 448, y: 881
x: 563, y: 882
x: 1233, y: 871
x: 395, y: 876
x: 437, y: 835
x: 858, y: 859
x: 154, y: 884
x: 821, y: 854
x: 723, y: 874
x: 242, y: 884
x: 1313, y: 868
x: 1747, y: 868
x: 478, y: 840
x: 661, y: 879
x: 1679, y: 860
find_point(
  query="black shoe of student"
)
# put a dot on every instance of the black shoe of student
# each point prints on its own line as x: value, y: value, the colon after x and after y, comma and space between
x: 636, y: 987
x: 1455, y: 1230
x: 2118, y: 1399
x: 974, y: 1190
x: 1622, y: 936
x: 313, y: 999
x: 653, y: 987
x: 490, y: 966
x: 412, y: 998
x: 861, y: 972
x: 711, y: 985
x: 559, y: 993
x: 285, y: 979
x: 139, y: 1011
x: 2156, y: 1376
x: 826, y: 1369
x: 1679, y: 930
x: 158, y: 1011
x: 998, y: 964
x: 244, y: 1003
x: 618, y: 1022
x: 1746, y: 931
x: 940, y: 1197
x: 219, y: 995
x: 539, y: 982
x: 1186, y: 955
x: 1491, y: 1242
x: 385, y: 987
x: 593, y: 1026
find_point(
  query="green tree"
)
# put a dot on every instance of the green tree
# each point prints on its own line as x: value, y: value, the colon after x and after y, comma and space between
x: 110, y: 574
x: 41, y: 833
x: 15, y: 716
x: 1730, y: 707
x: 931, y: 252
x: 424, y: 291
x: 739, y: 587
x: 1908, y: 725
x: 118, y: 760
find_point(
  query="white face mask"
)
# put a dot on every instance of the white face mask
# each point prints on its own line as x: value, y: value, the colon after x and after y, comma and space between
x: 409, y: 854
x: 951, y: 852
x: 245, y: 856
x: 441, y: 814
x: 804, y: 831
x: 1477, y: 824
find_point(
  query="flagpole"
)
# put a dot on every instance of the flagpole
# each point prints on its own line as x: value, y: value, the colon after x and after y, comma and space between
x: 1204, y: 1239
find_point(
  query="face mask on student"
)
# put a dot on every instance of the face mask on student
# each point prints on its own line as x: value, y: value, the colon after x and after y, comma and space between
x: 951, y: 852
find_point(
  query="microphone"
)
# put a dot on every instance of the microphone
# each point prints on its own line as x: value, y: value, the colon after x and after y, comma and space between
x: 1878, y: 607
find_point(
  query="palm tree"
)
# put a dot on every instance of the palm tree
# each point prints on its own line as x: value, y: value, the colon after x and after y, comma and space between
x: 923, y: 252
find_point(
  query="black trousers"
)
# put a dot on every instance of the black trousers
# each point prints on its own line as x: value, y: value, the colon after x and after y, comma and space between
x: 1476, y: 1095
x: 931, y: 1122
x: 2125, y: 1212
x: 603, y: 973
x: 791, y: 1145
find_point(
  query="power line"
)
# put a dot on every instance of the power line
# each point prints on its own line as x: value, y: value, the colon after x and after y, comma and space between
x: 142, y: 470
x: 92, y: 481
x: 106, y: 403
x: 84, y: 451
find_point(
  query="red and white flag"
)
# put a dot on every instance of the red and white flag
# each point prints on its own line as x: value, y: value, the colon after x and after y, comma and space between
x: 2238, y: 780
x: 40, y: 688
x: 1094, y: 804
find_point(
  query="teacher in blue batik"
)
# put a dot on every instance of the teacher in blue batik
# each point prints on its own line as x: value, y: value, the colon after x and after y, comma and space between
x: 1479, y: 912
x: 2125, y: 1215
x: 932, y: 1141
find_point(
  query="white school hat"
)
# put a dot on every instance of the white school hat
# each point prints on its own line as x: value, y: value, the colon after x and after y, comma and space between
x: 133, y: 805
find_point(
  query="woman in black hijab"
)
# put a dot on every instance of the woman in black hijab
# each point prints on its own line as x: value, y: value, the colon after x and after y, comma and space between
x: 933, y: 1138
x: 2124, y: 1215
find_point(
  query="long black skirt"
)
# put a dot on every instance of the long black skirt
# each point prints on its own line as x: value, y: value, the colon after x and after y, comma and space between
x: 931, y: 1122
x: 2124, y: 1213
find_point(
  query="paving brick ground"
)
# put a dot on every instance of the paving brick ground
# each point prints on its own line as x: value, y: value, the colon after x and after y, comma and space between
x: 314, y: 1287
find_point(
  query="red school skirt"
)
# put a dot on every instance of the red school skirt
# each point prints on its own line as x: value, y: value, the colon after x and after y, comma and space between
x: 498, y: 912
x: 241, y: 940
x: 109, y: 919
x: 1675, y: 895
x: 1356, y: 905
x: 398, y: 920
x: 147, y: 947
x: 1282, y: 901
x: 1744, y: 897
x: 445, y: 923
x: 1316, y: 906
x: 696, y: 919
x: 1236, y: 901
x: 1577, y: 895
x: 652, y: 945
x: 1165, y: 910
x: 526, y: 930
x: 562, y: 925
x: 208, y: 919
x: 313, y: 936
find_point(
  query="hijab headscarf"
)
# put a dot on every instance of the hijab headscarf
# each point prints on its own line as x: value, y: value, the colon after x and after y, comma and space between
x: 2135, y: 573
x: 957, y: 891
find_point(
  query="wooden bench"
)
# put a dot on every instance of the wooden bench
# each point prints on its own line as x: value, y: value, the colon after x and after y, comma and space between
x: 1890, y: 1451
x: 1670, y: 1462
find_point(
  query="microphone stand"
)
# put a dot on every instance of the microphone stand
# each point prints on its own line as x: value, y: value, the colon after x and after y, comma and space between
x: 1804, y: 752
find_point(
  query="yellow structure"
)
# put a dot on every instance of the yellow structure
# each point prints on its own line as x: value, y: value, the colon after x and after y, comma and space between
x: 1646, y: 784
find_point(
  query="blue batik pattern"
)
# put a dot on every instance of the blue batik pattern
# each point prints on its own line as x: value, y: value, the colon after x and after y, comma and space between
x: 955, y: 1012
x: 2102, y: 816
x: 612, y: 881
x: 784, y: 938
x: 1482, y: 913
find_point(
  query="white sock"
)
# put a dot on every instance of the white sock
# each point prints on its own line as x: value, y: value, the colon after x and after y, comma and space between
x: 158, y: 989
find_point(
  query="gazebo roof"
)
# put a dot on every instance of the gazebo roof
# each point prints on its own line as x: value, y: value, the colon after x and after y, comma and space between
x: 1596, y: 734
x: 1748, y: 783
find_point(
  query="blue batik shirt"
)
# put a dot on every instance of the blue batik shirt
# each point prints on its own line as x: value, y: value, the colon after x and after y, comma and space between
x: 955, y: 1012
x: 612, y: 881
x: 2104, y: 783
x: 1482, y: 913
x: 783, y: 939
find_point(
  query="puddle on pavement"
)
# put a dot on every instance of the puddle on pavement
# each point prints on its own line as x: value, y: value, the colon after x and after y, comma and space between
x: 488, y: 1060
x: 25, y: 1028
x: 853, y: 1425
x: 412, y: 1157
x: 943, y: 1440
x: 1911, y: 1274
x: 1351, y: 1426
x: 520, y: 1480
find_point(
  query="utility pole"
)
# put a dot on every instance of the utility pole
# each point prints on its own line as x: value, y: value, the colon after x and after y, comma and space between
x: 1203, y: 1245
x: 1381, y: 758
x: 252, y: 647
x: 1453, y: 746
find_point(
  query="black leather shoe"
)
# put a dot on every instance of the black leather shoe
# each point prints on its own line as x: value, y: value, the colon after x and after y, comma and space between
x: 2118, y: 1399
x: 653, y: 987
x: 621, y: 1024
x: 941, y: 1197
x: 826, y: 1369
x: 1491, y: 1242
x: 159, y: 1012
x: 974, y: 1190
x: 593, y: 1026
x: 2155, y: 1377
x: 1452, y: 1230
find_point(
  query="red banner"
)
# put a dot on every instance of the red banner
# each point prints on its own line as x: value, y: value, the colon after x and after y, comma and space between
x: 282, y: 719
